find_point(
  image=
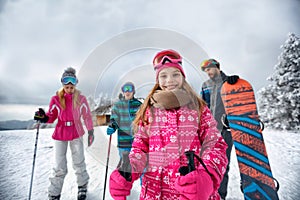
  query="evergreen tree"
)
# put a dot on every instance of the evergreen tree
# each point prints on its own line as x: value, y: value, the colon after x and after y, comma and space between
x: 278, y: 102
x: 267, y: 102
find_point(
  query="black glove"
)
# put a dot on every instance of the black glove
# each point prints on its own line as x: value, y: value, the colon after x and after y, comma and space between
x: 232, y: 79
x: 41, y: 116
x: 90, y: 137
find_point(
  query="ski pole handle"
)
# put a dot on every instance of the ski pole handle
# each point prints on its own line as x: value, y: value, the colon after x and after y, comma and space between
x: 191, y: 164
x: 184, y: 170
x: 113, y: 125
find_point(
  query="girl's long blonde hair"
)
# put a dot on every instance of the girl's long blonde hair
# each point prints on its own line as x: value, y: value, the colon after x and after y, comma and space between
x: 197, y: 103
x: 62, y: 100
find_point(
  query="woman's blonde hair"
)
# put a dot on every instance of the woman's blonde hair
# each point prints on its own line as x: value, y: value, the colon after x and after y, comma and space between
x: 197, y: 103
x: 61, y: 95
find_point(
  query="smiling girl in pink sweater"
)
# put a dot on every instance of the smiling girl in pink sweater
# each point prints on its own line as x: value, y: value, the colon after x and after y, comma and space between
x: 173, y: 120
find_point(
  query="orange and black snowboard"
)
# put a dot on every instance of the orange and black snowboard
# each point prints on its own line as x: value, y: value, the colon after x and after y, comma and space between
x: 257, y: 181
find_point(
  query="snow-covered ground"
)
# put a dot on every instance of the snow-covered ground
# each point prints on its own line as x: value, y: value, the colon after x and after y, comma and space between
x: 16, y: 160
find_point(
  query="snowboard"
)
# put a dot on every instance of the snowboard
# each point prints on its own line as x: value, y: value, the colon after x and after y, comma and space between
x: 257, y: 181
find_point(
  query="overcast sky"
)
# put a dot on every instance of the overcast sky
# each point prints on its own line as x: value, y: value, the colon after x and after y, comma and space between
x: 39, y: 39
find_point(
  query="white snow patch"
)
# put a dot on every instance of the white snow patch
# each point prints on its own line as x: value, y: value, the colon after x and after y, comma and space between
x: 16, y: 160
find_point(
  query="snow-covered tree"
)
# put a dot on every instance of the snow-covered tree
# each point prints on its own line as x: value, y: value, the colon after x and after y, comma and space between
x: 267, y: 106
x: 279, y: 102
x: 91, y: 102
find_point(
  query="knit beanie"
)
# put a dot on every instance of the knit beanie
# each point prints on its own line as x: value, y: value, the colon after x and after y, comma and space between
x: 175, y: 61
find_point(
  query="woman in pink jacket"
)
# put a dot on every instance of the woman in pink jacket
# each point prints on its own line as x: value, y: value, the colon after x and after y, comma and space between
x: 173, y: 122
x: 68, y: 106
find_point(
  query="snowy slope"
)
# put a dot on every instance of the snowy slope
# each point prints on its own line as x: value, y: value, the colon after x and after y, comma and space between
x: 16, y: 156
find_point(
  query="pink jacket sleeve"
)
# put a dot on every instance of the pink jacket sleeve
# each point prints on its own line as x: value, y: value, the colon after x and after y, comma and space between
x: 53, y: 110
x: 139, y: 152
x: 86, y: 114
x: 213, y: 150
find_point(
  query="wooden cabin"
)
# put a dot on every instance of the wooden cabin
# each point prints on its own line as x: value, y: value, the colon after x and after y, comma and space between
x: 102, y: 114
x: 103, y: 120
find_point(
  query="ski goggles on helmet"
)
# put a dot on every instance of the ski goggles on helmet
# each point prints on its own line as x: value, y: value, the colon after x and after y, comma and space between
x: 127, y: 88
x: 167, y: 56
x: 209, y: 63
x: 69, y: 79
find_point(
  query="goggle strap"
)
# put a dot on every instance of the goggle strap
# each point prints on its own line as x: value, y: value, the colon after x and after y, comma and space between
x: 166, y: 59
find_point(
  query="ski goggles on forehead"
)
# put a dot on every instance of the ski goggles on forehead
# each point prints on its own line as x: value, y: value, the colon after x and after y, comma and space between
x: 206, y: 63
x: 127, y: 88
x: 167, y: 59
x: 69, y: 79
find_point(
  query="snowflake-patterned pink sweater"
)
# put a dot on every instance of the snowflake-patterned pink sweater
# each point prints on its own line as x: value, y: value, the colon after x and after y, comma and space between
x: 160, y: 146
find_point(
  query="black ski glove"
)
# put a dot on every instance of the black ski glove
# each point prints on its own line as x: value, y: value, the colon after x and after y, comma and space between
x: 232, y: 79
x: 41, y: 116
x: 90, y: 137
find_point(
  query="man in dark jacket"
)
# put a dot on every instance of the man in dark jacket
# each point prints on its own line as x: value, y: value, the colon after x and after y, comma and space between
x: 211, y: 94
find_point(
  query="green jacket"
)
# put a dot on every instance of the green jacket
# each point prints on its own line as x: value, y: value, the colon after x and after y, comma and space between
x: 122, y: 114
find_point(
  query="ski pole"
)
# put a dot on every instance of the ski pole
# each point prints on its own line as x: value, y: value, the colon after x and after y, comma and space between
x: 109, y: 144
x: 191, y: 163
x: 34, y: 156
